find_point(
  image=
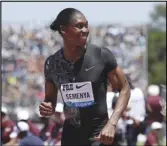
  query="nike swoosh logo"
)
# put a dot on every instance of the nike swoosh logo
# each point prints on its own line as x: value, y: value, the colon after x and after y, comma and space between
x: 78, y: 87
x: 87, y: 69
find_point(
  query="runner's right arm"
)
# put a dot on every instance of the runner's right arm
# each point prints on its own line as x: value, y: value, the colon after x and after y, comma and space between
x: 47, y: 108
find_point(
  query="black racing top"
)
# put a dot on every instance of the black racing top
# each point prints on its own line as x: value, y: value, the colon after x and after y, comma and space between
x: 60, y: 71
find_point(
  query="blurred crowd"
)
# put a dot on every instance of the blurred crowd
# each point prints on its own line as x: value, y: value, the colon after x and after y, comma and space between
x: 143, y: 121
x: 24, y: 51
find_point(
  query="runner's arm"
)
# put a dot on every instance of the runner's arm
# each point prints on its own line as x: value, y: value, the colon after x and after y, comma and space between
x: 118, y: 79
x: 51, y: 93
x: 50, y: 88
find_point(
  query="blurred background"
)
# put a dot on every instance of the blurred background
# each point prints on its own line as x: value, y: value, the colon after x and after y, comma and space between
x: 135, y: 33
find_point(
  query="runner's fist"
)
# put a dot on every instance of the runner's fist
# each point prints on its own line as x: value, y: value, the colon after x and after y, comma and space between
x: 46, y: 109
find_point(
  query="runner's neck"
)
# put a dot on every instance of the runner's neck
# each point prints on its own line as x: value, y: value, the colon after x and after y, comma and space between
x: 73, y: 54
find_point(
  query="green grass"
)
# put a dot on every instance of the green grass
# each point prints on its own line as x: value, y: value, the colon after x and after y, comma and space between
x: 140, y: 144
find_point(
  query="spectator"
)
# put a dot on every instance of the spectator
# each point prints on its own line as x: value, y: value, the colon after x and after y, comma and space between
x: 44, y: 133
x: 154, y: 103
x: 7, y: 125
x: 24, y: 116
x: 55, y: 129
x: 26, y: 137
x: 119, y: 139
x: 153, y: 137
x: 135, y: 115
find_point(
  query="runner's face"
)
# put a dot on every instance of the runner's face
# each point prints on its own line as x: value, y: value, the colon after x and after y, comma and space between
x: 77, y: 32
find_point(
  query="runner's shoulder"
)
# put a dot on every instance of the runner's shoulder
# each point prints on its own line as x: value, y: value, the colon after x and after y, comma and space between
x: 95, y: 50
x: 50, y: 60
x: 99, y: 50
x: 93, y: 47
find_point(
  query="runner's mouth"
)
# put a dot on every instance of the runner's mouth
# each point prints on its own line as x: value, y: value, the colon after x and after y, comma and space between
x: 84, y: 35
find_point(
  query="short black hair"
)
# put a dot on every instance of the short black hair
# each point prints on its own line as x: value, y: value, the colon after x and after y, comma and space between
x: 3, y: 114
x: 22, y: 134
x: 63, y: 18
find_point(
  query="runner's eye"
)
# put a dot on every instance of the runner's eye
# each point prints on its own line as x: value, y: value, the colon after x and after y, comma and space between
x: 79, y: 25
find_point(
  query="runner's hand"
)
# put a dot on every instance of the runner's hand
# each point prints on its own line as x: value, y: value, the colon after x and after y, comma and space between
x: 46, y: 109
x: 107, y: 134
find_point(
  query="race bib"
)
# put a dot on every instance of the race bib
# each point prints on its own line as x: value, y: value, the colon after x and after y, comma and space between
x: 77, y: 94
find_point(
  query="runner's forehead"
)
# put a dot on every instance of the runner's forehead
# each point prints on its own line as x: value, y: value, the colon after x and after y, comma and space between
x: 79, y: 18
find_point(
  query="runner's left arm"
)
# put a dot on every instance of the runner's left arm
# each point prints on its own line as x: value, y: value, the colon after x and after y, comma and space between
x: 118, y: 81
x: 117, y: 76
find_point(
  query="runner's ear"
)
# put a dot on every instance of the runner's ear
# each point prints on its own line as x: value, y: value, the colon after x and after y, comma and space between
x: 63, y: 30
